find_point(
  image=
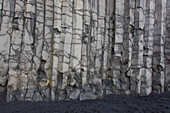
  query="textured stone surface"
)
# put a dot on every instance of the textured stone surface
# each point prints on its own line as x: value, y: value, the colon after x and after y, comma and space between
x: 83, y: 49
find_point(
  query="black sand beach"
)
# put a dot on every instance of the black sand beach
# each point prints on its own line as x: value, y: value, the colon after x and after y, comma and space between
x: 109, y: 104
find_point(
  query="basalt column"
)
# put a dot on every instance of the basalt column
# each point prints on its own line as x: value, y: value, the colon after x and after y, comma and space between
x: 83, y: 49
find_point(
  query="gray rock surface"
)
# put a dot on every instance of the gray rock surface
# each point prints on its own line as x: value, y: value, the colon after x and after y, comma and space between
x: 83, y: 49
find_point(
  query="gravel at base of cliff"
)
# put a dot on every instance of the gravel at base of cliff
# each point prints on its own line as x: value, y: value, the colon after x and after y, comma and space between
x: 109, y: 104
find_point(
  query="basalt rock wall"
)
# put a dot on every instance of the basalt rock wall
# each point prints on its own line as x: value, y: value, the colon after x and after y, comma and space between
x: 83, y: 49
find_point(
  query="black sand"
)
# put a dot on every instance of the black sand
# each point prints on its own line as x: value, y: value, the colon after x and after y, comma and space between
x: 109, y: 104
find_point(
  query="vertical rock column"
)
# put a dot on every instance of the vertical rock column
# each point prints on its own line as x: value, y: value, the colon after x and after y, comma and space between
x: 85, y: 43
x: 158, y: 47
x: 47, y: 46
x: 100, y: 40
x: 5, y: 38
x: 95, y: 72
x: 65, y: 48
x: 17, y: 36
x: 98, y: 23
x: 106, y: 39
x: 77, y: 36
x: 76, y: 47
x: 111, y: 28
x: 131, y: 36
x: 167, y: 47
x: 27, y: 47
x: 75, y: 57
x: 108, y: 33
x: 16, y: 43
x: 39, y: 36
x: 27, y: 86
x: 61, y: 93
x: 92, y: 39
x: 38, y: 62
x: 137, y: 48
x: 1, y: 8
x: 56, y: 44
x: 67, y: 41
x: 146, y: 79
x: 127, y: 43
x: 118, y: 44
x: 95, y: 64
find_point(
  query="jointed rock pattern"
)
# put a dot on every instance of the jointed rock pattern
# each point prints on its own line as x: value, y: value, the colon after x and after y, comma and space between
x: 83, y: 49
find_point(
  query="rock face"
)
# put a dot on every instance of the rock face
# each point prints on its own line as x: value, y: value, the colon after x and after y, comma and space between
x: 83, y: 49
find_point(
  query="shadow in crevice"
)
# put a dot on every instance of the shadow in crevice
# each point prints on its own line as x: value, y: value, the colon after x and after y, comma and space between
x: 3, y: 93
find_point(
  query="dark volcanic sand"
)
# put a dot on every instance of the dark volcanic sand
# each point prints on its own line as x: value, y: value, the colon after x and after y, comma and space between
x: 109, y: 104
